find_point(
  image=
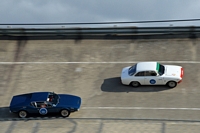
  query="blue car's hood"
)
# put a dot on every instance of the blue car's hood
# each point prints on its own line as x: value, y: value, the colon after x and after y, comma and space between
x: 69, y: 100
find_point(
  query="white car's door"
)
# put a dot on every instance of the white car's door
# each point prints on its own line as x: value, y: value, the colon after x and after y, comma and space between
x: 139, y: 77
x: 152, y: 78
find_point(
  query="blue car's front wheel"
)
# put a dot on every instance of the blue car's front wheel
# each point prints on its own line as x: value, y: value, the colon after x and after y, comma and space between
x: 64, y: 113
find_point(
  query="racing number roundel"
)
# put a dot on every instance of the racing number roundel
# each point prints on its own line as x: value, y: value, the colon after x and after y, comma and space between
x: 152, y: 81
x: 43, y: 111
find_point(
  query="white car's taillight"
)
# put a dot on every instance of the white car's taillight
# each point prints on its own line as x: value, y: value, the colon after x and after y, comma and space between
x: 181, y: 73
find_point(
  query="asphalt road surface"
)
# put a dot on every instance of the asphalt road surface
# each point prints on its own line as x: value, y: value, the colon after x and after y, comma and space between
x: 91, y: 69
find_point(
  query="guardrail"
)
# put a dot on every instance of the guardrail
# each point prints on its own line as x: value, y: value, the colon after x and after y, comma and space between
x: 111, y: 32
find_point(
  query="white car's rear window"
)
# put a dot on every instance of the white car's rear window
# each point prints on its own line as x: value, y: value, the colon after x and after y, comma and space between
x: 160, y: 68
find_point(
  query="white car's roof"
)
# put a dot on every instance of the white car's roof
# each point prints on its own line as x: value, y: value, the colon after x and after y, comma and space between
x: 145, y: 66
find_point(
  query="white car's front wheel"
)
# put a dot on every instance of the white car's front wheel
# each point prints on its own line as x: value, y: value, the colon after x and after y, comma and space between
x: 171, y: 84
x: 135, y: 84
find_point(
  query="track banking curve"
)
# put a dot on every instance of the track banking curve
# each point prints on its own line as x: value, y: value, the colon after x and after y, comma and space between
x: 91, y: 69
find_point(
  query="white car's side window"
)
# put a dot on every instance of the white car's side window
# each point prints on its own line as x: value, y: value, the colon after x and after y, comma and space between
x: 140, y: 73
x: 150, y: 73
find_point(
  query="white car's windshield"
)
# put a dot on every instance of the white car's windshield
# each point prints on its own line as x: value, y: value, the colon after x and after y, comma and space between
x: 132, y: 70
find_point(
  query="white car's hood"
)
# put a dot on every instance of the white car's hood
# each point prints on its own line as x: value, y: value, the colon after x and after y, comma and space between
x: 124, y: 73
x: 171, y: 70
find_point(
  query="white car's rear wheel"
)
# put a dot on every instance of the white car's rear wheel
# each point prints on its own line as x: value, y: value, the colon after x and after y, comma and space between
x: 135, y: 84
x: 172, y: 84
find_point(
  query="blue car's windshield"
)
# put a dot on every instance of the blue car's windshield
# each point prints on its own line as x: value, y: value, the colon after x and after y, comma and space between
x: 53, y: 98
x: 132, y: 70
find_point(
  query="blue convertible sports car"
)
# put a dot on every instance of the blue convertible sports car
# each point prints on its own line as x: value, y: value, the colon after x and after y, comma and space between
x: 44, y: 103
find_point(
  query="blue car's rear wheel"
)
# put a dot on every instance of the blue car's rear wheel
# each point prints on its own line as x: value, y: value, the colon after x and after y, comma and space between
x: 64, y: 113
x: 22, y: 114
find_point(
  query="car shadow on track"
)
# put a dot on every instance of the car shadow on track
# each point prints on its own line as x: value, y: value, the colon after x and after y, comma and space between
x: 115, y: 85
x: 5, y: 115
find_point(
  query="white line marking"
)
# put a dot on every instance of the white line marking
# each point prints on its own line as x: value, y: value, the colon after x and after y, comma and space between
x: 126, y: 62
x: 141, y: 108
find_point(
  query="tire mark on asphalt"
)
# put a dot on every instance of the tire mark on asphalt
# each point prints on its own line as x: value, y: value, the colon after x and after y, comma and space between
x: 11, y: 127
x: 2, y: 79
x: 163, y: 127
x: 101, y: 128
x: 75, y: 126
x: 19, y: 49
x: 35, y: 127
x: 194, y: 50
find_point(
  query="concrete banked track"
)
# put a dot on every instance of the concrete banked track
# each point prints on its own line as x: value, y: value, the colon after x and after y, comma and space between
x: 91, y: 70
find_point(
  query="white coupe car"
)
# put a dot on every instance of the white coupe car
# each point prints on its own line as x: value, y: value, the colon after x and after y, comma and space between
x: 152, y: 73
